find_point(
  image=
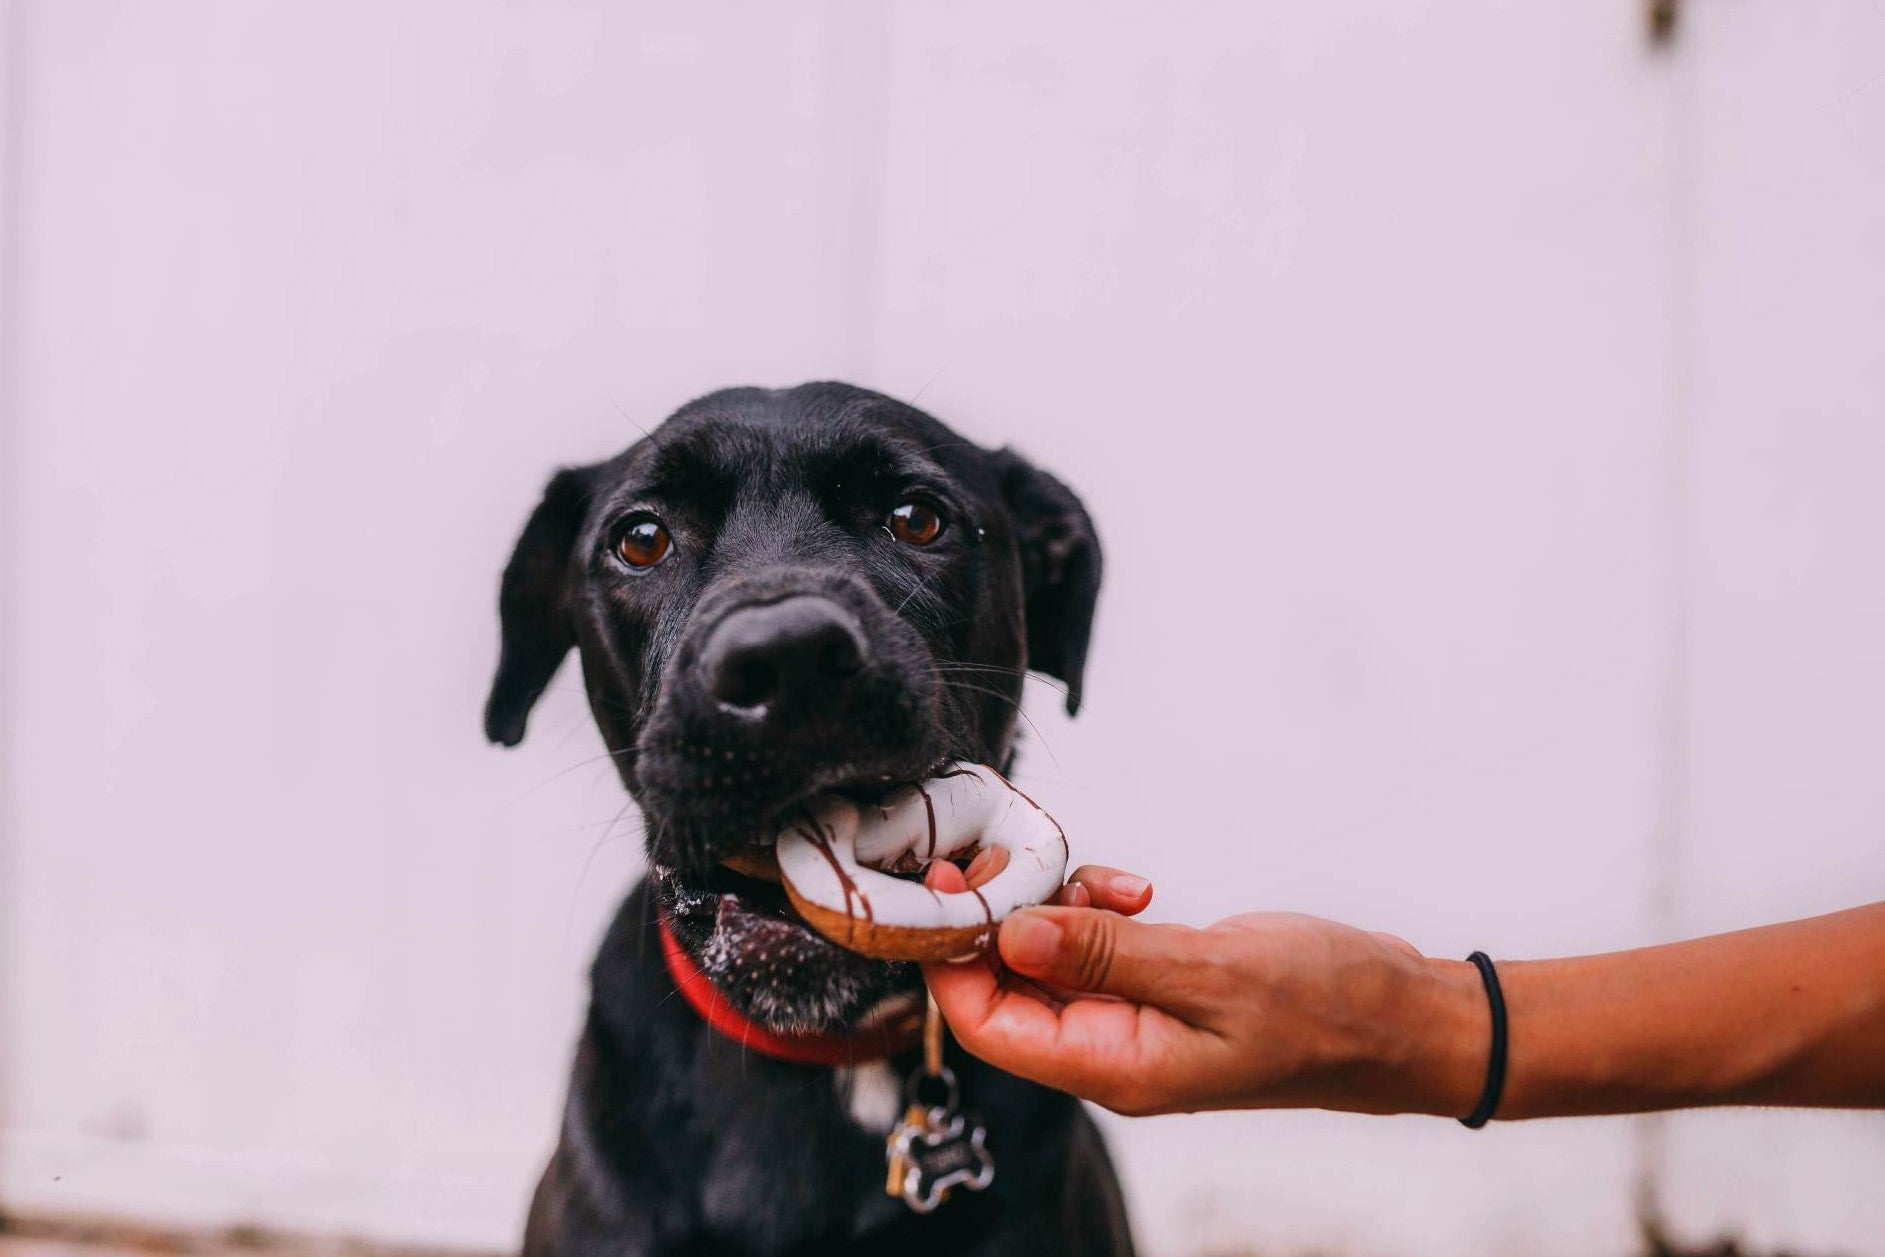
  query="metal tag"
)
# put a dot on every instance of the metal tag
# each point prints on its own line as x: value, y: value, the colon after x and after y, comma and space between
x: 937, y: 1149
x: 948, y: 1151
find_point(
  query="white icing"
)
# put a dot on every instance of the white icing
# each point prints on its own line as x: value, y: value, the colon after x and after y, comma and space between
x: 837, y: 840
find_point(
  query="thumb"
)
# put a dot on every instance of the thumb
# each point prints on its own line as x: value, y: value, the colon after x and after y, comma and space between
x: 1090, y: 949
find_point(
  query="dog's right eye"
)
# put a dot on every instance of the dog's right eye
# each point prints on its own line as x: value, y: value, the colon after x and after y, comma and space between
x: 643, y: 543
x: 915, y: 523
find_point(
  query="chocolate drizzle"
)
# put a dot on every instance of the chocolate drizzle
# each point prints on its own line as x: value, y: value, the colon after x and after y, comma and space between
x: 1066, y: 852
x: 821, y: 839
x: 929, y: 806
x: 914, y: 851
x: 988, y: 914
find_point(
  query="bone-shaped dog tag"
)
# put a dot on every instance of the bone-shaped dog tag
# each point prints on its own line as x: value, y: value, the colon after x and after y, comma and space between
x: 935, y: 1149
x: 946, y: 1152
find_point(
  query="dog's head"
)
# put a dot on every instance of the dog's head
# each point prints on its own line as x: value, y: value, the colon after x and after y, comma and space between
x: 779, y: 593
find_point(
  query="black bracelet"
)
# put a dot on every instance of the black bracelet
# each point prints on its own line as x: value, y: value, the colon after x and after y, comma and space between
x: 1495, y: 1063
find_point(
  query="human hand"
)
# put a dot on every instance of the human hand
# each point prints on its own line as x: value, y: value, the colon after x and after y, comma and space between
x: 1263, y: 1010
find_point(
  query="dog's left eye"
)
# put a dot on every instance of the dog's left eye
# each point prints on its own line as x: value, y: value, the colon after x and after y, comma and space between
x: 915, y: 523
x: 644, y: 543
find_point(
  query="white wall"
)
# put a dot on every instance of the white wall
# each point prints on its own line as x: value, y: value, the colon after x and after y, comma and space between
x: 1483, y: 414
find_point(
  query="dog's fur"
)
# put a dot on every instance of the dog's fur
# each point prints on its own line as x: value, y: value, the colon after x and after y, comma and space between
x: 675, y: 1140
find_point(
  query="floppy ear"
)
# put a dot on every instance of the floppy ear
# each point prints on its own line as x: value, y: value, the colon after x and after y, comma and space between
x: 1060, y: 566
x: 533, y: 606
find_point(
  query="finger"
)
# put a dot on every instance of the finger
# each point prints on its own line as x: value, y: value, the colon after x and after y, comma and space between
x: 1058, y: 995
x: 1054, y: 999
x: 963, y: 991
x: 970, y: 984
x: 945, y: 878
x: 1112, y: 889
x: 1073, y: 895
x: 1092, y: 885
x: 1082, y: 949
x: 986, y: 864
x: 1100, y: 1049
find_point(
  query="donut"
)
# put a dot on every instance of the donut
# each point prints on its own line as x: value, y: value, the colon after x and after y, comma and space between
x: 756, y: 861
x: 832, y: 853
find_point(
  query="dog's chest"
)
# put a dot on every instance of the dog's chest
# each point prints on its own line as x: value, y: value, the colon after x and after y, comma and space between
x: 872, y: 1095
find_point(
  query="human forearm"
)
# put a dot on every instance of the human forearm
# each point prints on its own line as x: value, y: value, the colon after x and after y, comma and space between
x: 1787, y: 1014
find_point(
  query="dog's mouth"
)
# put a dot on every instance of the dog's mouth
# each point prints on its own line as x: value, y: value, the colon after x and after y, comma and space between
x: 747, y: 881
x: 758, y: 861
x: 731, y: 896
x: 739, y: 925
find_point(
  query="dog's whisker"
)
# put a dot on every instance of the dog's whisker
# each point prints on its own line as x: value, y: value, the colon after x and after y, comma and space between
x: 970, y: 686
x: 583, y: 763
x: 643, y: 428
x: 697, y: 970
x: 580, y: 764
x: 998, y: 670
x: 930, y: 613
x: 1019, y: 711
x: 569, y: 919
x: 934, y: 376
x: 915, y: 590
x: 647, y: 906
x: 564, y: 688
x: 582, y: 828
x: 946, y: 445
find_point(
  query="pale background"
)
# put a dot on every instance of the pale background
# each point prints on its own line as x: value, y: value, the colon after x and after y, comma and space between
x: 1484, y: 413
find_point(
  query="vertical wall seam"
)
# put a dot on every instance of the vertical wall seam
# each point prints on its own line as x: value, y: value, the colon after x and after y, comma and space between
x: 12, y: 95
x: 1669, y: 838
x: 869, y: 187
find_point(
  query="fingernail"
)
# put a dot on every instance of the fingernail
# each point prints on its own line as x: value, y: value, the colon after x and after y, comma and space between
x: 1076, y: 896
x: 979, y: 863
x: 1129, y: 886
x: 1032, y: 940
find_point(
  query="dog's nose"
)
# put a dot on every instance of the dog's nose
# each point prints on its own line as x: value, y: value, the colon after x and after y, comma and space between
x: 796, y: 648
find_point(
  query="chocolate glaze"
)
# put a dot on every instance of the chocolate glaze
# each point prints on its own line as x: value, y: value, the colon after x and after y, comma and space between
x: 821, y: 839
x: 988, y: 932
x: 1066, y: 852
x: 854, y: 894
x: 929, y: 806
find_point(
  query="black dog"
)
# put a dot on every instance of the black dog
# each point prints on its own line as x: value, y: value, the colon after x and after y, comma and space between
x: 779, y: 593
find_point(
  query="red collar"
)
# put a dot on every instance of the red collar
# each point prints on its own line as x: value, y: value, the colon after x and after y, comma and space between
x: 874, y: 1044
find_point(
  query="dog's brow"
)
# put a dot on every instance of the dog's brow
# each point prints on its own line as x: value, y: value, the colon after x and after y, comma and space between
x: 686, y: 469
x: 871, y: 456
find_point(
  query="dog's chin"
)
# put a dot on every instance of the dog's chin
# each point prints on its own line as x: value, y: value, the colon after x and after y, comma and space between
x: 766, y: 962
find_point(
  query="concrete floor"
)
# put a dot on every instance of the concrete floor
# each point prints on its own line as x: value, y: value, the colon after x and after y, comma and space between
x: 63, y: 1237
x: 81, y: 1237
